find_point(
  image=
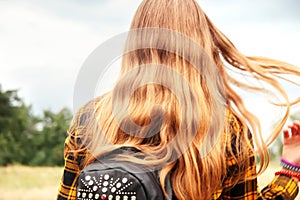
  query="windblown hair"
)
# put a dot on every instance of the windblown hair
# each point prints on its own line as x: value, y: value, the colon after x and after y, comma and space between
x: 172, y: 99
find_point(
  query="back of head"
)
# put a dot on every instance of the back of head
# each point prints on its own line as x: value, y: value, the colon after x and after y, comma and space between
x: 168, y: 73
x: 185, y: 17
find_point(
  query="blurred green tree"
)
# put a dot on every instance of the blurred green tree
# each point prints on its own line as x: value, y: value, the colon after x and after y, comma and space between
x: 48, y: 142
x: 29, y: 139
x: 17, y: 125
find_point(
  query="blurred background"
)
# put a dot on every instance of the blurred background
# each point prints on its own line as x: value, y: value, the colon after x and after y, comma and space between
x: 43, y: 45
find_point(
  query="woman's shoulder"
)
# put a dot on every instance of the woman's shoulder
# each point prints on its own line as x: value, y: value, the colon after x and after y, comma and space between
x: 233, y: 121
x: 236, y: 128
x: 86, y: 112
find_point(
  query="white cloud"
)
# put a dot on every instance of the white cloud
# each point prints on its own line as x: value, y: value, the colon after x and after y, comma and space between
x: 41, y: 54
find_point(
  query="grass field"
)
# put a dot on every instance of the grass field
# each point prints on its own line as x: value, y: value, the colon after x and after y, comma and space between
x: 29, y: 183
x: 41, y: 183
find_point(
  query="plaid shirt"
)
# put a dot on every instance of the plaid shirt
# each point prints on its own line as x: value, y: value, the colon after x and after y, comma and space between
x: 282, y: 187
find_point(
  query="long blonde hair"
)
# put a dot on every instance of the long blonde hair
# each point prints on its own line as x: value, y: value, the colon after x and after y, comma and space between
x: 176, y: 112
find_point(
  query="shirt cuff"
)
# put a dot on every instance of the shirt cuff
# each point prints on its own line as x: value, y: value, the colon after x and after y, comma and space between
x: 283, y: 187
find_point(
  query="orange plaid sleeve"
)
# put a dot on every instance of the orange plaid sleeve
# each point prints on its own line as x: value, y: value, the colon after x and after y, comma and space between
x: 67, y: 189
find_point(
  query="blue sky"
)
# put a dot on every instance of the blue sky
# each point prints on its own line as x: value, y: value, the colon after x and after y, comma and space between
x: 43, y: 44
